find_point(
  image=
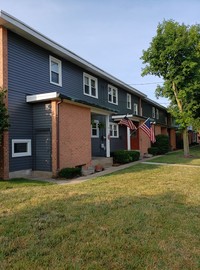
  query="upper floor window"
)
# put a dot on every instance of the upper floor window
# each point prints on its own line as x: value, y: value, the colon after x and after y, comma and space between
x: 112, y: 94
x: 157, y: 114
x: 135, y: 108
x: 114, y: 130
x: 90, y: 85
x: 153, y: 112
x: 95, y: 129
x: 55, y: 71
x: 128, y: 98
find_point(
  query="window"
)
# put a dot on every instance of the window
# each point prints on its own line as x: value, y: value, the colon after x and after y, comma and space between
x: 55, y: 71
x: 114, y: 130
x: 153, y: 112
x: 21, y: 148
x: 157, y: 114
x: 95, y: 129
x: 90, y: 86
x: 135, y: 108
x: 128, y: 98
x: 112, y: 94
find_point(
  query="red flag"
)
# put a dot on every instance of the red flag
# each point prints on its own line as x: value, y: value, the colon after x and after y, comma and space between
x: 149, y: 130
x: 127, y: 122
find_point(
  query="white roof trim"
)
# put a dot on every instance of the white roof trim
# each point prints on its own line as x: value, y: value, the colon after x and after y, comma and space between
x: 42, y: 97
x: 121, y: 116
x: 130, y: 116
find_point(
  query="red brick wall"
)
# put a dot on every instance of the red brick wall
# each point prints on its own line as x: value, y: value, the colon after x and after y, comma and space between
x: 74, y: 135
x: 4, y: 148
x: 144, y: 142
x: 157, y: 130
x: 164, y: 131
x: 173, y: 139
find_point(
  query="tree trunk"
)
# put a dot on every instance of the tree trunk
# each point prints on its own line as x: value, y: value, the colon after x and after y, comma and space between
x: 186, y: 143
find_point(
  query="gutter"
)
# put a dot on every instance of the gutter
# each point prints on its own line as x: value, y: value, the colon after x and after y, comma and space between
x: 58, y: 133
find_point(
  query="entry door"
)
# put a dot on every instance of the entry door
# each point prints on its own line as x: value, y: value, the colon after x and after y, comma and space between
x: 135, y: 140
x: 43, y: 151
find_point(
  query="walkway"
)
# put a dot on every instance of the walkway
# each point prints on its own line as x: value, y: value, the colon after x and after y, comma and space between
x: 88, y: 177
x: 108, y: 171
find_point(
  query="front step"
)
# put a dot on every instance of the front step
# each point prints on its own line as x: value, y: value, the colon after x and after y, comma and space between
x: 98, y: 164
x: 105, y: 162
x: 88, y: 171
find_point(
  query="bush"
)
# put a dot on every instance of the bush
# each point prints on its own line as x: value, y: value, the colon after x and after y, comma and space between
x: 153, y: 151
x: 69, y: 173
x: 162, y: 143
x: 125, y: 156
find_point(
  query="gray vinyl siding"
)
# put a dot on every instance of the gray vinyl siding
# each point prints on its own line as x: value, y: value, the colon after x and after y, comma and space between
x: 119, y: 143
x: 20, y: 119
x: 28, y: 74
x: 42, y: 136
x: 97, y: 150
x: 146, y: 109
x: 162, y: 116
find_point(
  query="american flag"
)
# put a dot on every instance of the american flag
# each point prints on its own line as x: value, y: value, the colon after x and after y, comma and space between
x: 149, y: 130
x: 127, y: 122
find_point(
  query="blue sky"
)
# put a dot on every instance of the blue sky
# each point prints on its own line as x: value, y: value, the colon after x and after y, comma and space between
x: 110, y: 34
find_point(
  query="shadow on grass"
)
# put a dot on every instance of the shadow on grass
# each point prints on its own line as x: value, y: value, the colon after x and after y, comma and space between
x: 89, y: 232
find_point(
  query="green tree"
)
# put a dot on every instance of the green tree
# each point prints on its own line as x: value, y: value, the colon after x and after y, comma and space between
x: 3, y: 114
x: 174, y: 56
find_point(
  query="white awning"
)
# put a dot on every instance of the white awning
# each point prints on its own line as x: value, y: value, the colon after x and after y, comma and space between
x: 42, y: 97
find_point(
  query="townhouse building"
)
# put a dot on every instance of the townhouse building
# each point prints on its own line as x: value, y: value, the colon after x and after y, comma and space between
x: 62, y: 109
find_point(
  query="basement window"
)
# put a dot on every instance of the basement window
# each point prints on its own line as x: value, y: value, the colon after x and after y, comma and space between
x: 21, y: 148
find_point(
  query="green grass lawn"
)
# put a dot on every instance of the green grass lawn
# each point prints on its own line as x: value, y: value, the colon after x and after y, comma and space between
x: 177, y: 157
x: 144, y: 217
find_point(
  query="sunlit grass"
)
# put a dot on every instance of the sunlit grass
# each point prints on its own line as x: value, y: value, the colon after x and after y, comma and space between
x: 177, y: 157
x: 144, y: 217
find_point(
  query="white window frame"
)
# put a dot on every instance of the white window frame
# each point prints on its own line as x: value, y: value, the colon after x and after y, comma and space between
x: 111, y: 90
x: 153, y: 112
x: 135, y: 108
x: 90, y: 78
x: 96, y: 122
x: 112, y: 127
x: 57, y: 61
x: 128, y: 100
x: 22, y: 154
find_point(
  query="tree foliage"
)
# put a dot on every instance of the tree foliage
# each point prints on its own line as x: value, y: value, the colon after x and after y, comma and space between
x: 174, y: 56
x: 3, y: 114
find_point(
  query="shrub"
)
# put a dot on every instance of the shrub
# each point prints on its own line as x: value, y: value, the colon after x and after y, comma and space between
x: 125, y: 156
x: 162, y: 143
x: 69, y: 173
x: 153, y: 150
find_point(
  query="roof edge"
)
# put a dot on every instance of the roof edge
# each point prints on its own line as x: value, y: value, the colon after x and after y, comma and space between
x: 33, y: 35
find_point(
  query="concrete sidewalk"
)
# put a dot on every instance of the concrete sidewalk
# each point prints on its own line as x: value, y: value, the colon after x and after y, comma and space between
x: 108, y: 171
x: 88, y: 177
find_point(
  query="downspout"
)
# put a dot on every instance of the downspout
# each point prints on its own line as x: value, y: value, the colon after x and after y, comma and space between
x: 58, y: 133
